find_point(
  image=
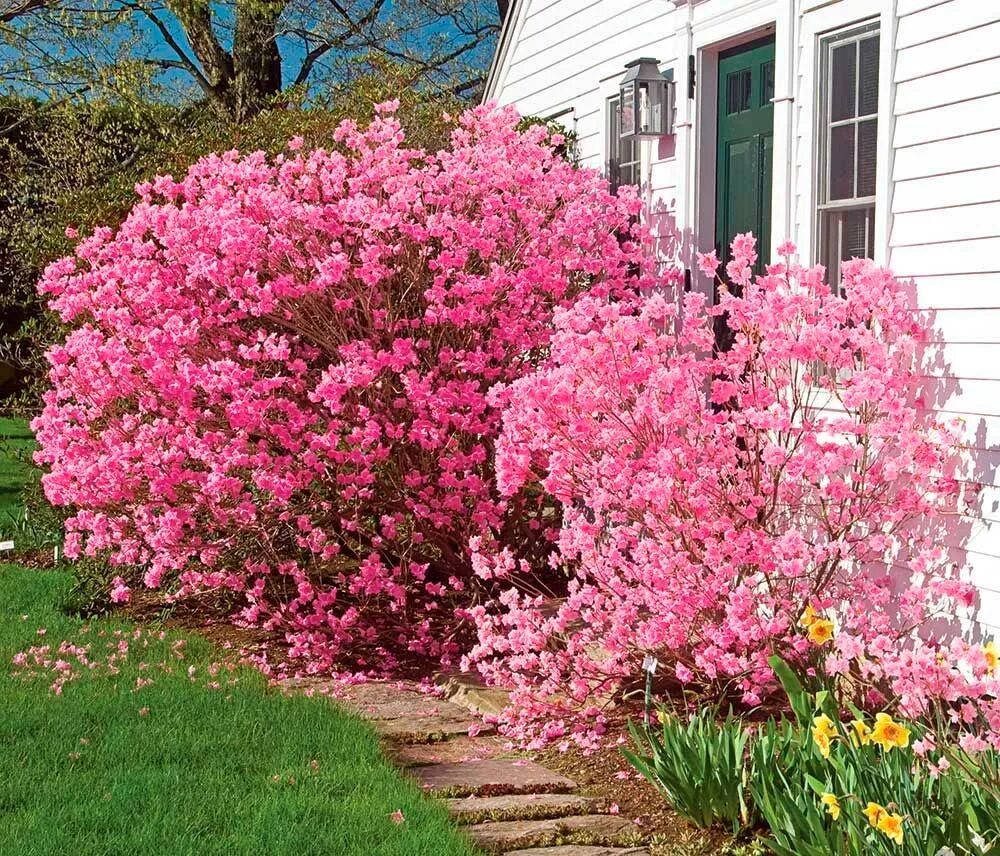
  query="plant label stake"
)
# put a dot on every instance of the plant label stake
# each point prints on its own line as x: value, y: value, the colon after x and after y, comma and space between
x: 649, y: 664
x: 6, y: 545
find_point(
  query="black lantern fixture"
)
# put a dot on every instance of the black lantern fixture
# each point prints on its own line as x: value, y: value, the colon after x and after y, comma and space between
x: 647, y: 101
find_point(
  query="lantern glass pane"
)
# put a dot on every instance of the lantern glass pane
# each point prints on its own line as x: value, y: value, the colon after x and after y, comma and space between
x: 628, y: 106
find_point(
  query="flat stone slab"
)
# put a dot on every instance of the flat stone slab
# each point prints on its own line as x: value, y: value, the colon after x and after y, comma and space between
x: 401, y: 713
x: 493, y: 776
x: 580, y: 850
x: 427, y: 729
x: 465, y: 690
x: 502, y: 836
x: 460, y: 748
x: 520, y: 807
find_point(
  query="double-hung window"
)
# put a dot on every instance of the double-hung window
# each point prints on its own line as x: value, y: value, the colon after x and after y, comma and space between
x: 623, y: 155
x: 848, y: 133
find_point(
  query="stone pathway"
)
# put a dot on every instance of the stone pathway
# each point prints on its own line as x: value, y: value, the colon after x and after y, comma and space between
x: 507, y: 805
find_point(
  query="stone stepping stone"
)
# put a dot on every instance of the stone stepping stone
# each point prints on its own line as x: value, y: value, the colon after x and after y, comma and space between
x: 406, y: 715
x: 580, y: 850
x: 521, y: 807
x: 505, y: 835
x: 490, y: 777
x: 468, y: 692
x: 455, y: 749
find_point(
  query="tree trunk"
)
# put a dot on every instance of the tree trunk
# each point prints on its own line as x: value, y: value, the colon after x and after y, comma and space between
x: 256, y: 60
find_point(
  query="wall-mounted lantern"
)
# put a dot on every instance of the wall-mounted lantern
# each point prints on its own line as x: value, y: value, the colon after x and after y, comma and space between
x: 647, y: 101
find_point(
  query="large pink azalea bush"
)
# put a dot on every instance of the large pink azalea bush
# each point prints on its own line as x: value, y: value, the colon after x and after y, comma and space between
x: 711, y: 498
x: 276, y: 381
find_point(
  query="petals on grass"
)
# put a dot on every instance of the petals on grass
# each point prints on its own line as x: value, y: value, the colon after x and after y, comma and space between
x: 397, y: 817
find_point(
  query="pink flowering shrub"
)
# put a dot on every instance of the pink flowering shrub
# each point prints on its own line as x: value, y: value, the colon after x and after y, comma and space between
x: 709, y: 497
x: 276, y: 382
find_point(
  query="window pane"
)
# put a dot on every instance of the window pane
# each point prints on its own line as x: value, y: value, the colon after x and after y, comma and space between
x: 842, y: 162
x: 830, y: 248
x: 844, y: 235
x: 738, y: 89
x: 868, y: 77
x: 767, y: 83
x: 855, y: 235
x: 867, y: 133
x: 843, y: 81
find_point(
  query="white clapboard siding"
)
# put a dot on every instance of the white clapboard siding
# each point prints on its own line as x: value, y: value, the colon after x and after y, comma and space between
x: 950, y: 121
x: 941, y: 225
x: 946, y: 191
x: 960, y: 256
x: 906, y: 7
x: 956, y: 154
x: 965, y: 291
x: 962, y: 360
x: 952, y: 326
x: 948, y: 51
x: 944, y: 20
x: 947, y: 87
x: 943, y: 200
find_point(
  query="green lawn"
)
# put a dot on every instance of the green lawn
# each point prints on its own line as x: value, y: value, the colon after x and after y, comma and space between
x: 16, y: 445
x: 203, y: 760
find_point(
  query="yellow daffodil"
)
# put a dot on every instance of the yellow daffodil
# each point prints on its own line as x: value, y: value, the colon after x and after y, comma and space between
x: 832, y: 805
x: 862, y: 732
x: 888, y: 734
x: 891, y: 826
x: 823, y: 732
x: 825, y: 724
x: 820, y: 631
x: 992, y: 655
x: 874, y: 812
x: 808, y: 617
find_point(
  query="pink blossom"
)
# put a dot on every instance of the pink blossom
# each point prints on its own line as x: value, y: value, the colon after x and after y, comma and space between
x: 708, y: 495
x: 211, y: 430
x: 708, y: 263
x: 120, y: 592
x: 397, y: 817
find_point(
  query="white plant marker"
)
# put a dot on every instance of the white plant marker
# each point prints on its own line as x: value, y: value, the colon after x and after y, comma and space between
x: 649, y: 664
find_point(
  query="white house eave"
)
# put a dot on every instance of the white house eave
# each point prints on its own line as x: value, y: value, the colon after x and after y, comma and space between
x: 504, y: 43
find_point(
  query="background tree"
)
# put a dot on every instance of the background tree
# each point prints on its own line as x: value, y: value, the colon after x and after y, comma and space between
x: 239, y: 55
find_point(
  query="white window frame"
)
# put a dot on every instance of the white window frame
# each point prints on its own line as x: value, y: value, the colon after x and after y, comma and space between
x: 824, y: 207
x: 614, y: 144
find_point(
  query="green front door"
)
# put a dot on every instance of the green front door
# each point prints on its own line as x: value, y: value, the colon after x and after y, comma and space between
x: 745, y: 146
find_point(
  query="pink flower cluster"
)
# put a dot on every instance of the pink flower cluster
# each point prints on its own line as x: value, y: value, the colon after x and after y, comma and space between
x: 276, y: 380
x: 710, y: 496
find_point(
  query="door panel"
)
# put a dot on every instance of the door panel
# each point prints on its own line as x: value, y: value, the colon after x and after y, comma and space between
x: 744, y: 154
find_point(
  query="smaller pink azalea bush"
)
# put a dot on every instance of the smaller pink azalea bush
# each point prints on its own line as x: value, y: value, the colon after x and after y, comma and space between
x: 276, y: 380
x: 709, y: 497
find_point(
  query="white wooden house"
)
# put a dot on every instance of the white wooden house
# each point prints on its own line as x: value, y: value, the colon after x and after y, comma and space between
x: 853, y: 127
